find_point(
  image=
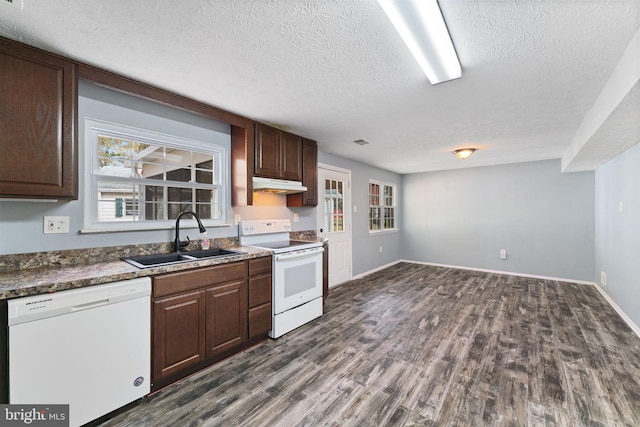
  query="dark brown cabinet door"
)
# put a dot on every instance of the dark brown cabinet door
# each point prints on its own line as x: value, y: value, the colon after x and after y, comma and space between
x: 309, y: 176
x: 278, y: 154
x: 259, y: 320
x: 292, y: 157
x: 178, y: 333
x: 259, y: 296
x: 38, y: 103
x: 226, y: 315
x: 268, y: 155
x: 199, y: 316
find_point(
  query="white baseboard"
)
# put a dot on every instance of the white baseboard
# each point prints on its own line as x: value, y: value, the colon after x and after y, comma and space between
x: 612, y: 303
x: 617, y: 308
x: 382, y: 267
x: 510, y: 273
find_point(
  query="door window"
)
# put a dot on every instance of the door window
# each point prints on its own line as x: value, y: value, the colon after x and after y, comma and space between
x: 333, y: 206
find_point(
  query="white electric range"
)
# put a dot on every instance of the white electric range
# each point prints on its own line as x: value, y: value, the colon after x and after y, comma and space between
x: 297, y: 273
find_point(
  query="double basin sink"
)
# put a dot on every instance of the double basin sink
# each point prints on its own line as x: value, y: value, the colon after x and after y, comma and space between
x: 157, y: 260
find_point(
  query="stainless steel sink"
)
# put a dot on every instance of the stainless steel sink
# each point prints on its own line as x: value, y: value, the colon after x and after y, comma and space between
x: 157, y: 260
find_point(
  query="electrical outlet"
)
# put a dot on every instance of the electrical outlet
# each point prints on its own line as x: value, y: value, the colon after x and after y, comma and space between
x: 503, y: 254
x: 380, y: 248
x: 603, y: 278
x: 56, y: 224
x: 236, y: 219
x: 296, y: 217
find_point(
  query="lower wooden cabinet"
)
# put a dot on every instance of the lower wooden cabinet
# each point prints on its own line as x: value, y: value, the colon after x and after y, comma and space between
x: 203, y: 315
x: 178, y: 333
x: 226, y: 314
x: 259, y: 296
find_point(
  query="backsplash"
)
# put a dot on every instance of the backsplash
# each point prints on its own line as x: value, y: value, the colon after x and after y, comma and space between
x: 73, y: 257
x: 303, y: 235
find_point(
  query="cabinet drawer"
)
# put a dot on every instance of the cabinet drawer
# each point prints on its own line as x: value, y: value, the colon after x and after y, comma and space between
x: 259, y: 266
x: 259, y: 290
x: 182, y: 281
x: 259, y: 320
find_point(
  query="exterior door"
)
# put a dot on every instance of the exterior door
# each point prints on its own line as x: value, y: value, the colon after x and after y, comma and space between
x: 334, y: 220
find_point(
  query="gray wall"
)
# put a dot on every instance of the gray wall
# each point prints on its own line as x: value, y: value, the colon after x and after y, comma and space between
x: 21, y: 222
x: 365, y: 246
x: 543, y: 218
x: 617, y: 232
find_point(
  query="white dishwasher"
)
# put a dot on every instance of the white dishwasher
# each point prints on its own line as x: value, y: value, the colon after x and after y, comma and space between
x: 89, y: 348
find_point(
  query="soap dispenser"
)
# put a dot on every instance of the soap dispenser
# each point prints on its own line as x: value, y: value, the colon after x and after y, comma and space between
x: 206, y: 244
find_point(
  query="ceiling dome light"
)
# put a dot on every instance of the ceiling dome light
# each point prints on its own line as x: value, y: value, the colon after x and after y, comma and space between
x: 463, y: 153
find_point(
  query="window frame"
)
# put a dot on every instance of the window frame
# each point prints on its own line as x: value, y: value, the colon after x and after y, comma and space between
x: 95, y: 127
x: 381, y: 206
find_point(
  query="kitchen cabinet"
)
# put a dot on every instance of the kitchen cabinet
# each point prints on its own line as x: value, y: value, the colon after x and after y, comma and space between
x: 199, y: 316
x: 226, y: 317
x: 278, y: 154
x: 38, y: 114
x: 309, y: 176
x: 259, y: 296
x: 261, y: 150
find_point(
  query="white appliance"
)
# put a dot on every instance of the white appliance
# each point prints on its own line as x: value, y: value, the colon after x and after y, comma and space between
x: 278, y: 186
x: 89, y: 348
x: 297, y: 273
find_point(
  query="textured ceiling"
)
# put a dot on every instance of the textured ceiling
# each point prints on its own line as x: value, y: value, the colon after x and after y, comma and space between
x: 336, y: 71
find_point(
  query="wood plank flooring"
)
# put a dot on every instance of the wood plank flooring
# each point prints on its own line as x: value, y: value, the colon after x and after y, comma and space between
x: 430, y: 346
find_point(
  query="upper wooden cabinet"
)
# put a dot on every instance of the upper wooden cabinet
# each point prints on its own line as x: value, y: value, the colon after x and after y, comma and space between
x: 274, y: 154
x: 38, y: 109
x: 309, y: 176
x: 278, y: 154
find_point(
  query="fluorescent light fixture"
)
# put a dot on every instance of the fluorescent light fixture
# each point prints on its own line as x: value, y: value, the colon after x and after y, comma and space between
x: 422, y: 27
x: 463, y: 153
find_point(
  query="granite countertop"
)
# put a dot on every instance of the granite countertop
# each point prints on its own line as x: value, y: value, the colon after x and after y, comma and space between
x: 60, y: 274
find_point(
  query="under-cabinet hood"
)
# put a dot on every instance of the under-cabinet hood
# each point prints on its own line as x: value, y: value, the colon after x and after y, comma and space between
x: 279, y: 186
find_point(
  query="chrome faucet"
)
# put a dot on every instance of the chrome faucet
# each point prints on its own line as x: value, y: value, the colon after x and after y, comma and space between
x: 177, y: 245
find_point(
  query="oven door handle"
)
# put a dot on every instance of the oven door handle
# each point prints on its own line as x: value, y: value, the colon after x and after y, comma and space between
x: 298, y: 254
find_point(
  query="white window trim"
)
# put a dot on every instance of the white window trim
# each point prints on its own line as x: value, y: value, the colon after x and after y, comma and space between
x: 395, y: 207
x: 94, y: 126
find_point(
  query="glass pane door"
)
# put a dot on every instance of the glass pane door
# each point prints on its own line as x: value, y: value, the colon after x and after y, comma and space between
x: 333, y: 206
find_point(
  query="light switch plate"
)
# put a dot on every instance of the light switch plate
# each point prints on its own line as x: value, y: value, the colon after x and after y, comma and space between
x: 56, y: 224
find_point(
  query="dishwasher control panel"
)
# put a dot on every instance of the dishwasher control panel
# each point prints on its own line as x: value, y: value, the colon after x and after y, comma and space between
x: 37, y: 307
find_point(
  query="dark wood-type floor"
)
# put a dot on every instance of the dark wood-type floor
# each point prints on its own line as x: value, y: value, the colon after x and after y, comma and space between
x: 423, y: 345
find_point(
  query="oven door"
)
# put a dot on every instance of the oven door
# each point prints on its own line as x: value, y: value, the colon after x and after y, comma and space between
x: 297, y: 278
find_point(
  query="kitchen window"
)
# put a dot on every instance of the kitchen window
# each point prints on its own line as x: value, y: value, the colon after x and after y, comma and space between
x: 382, y: 207
x: 140, y: 179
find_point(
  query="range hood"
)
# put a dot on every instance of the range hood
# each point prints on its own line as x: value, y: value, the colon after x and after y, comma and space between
x: 279, y: 186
